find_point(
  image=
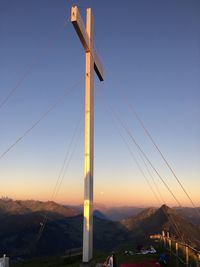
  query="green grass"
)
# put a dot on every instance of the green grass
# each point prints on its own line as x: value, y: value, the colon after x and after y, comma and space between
x: 120, y: 258
x: 99, y: 257
x: 50, y: 262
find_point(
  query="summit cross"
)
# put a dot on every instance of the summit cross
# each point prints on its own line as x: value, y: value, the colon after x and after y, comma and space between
x: 86, y: 36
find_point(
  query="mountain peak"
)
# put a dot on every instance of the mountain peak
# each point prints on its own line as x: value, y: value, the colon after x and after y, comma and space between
x: 167, y: 212
x: 164, y: 207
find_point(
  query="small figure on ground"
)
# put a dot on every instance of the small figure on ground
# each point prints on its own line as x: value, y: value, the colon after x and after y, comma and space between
x: 105, y: 264
x: 139, y: 247
x: 110, y: 261
x: 163, y: 259
x: 128, y: 252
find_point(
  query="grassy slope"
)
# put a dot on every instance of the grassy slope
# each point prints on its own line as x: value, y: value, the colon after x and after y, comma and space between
x: 99, y: 257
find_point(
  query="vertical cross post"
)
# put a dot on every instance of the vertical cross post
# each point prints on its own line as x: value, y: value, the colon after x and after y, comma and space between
x: 170, y: 247
x: 164, y: 238
x: 198, y: 260
x: 177, y: 261
x: 89, y: 142
x: 186, y: 256
x: 86, y: 36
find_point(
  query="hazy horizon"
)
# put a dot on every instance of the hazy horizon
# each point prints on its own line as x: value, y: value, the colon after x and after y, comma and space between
x: 101, y: 205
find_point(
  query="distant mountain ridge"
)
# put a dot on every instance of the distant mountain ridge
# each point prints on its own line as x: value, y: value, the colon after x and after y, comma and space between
x: 21, y: 221
x: 153, y: 221
x: 13, y: 207
x: 9, y: 206
x: 112, y: 213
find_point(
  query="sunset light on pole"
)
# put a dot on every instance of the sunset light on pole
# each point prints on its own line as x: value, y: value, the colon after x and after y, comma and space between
x: 86, y: 36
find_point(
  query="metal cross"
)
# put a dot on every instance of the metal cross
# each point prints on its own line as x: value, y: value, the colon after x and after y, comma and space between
x: 86, y: 36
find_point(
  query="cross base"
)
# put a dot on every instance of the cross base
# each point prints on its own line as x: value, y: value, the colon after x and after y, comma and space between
x: 86, y: 264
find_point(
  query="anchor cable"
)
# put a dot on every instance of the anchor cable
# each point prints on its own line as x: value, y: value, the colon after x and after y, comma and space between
x: 171, y: 221
x: 34, y: 64
x: 147, y: 132
x: 64, y: 168
x: 160, y: 152
x: 125, y: 127
x: 43, y: 116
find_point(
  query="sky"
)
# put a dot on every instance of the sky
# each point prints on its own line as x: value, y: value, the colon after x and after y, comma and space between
x: 150, y: 51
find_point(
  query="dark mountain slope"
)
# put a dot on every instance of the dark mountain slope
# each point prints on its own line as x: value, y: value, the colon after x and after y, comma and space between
x: 100, y: 215
x: 120, y: 213
x: 192, y: 214
x: 20, y: 232
x: 21, y: 221
x: 153, y: 221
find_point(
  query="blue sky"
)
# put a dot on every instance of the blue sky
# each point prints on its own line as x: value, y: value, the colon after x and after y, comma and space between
x: 150, y: 51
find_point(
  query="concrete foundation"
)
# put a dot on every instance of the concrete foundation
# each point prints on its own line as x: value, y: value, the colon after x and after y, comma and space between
x: 4, y: 262
x: 86, y: 264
